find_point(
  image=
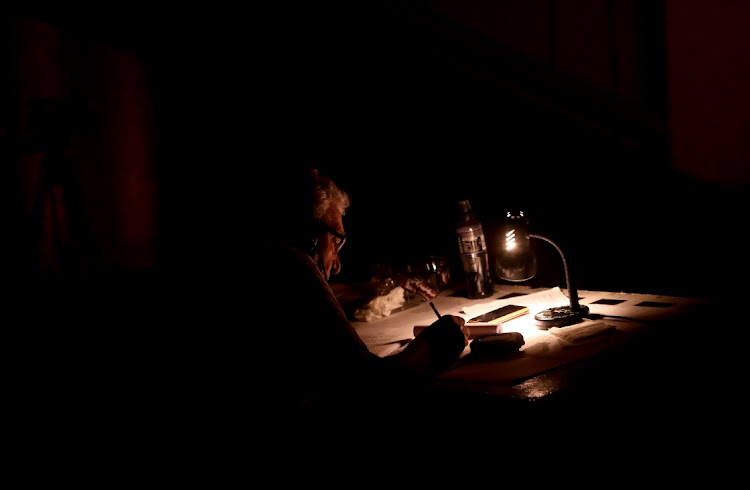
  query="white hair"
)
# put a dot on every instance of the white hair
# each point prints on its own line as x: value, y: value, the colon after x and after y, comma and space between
x: 326, y: 194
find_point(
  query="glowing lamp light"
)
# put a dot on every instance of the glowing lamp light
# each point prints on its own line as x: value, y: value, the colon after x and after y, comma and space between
x: 515, y: 261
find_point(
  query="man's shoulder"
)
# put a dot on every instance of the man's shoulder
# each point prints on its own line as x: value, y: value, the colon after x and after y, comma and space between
x: 283, y: 264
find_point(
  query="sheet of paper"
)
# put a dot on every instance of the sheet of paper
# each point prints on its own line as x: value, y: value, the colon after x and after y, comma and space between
x: 388, y: 349
x: 629, y: 312
x: 399, y: 327
x: 535, y: 301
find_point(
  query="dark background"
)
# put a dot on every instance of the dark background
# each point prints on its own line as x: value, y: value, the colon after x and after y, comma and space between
x: 622, y: 141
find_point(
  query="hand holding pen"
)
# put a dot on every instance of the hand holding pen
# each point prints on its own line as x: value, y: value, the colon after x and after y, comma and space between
x: 456, y: 320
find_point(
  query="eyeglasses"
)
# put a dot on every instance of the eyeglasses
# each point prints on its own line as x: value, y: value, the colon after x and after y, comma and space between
x: 342, y: 238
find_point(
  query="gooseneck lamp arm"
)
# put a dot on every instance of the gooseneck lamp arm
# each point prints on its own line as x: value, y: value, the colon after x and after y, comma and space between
x: 572, y: 291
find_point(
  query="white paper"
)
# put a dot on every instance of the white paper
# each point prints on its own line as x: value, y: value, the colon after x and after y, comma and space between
x: 396, y: 328
x: 536, y: 302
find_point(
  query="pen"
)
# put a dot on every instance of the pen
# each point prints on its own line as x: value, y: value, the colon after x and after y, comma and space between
x: 435, y: 309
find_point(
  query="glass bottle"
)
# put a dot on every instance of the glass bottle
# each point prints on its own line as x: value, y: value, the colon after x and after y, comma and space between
x: 472, y: 247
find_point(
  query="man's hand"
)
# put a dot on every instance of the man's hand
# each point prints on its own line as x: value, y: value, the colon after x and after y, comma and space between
x: 446, y: 338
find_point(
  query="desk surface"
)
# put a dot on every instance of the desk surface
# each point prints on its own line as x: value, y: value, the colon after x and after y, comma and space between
x: 545, y: 365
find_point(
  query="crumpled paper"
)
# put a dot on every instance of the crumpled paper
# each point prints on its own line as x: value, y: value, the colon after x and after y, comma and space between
x: 381, y: 306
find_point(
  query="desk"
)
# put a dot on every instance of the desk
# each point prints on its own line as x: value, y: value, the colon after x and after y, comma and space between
x: 546, y: 368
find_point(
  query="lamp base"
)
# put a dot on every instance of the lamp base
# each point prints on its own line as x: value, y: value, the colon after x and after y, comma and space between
x: 559, y: 316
